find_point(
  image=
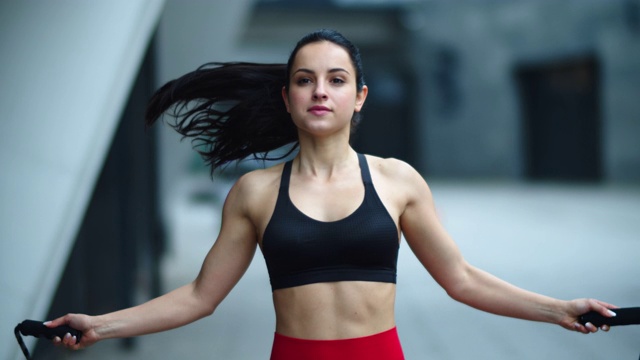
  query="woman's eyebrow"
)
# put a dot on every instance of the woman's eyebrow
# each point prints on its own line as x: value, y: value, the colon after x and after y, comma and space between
x: 338, y: 70
x: 309, y: 71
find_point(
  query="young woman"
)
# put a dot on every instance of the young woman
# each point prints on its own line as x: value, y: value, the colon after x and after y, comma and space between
x: 328, y: 223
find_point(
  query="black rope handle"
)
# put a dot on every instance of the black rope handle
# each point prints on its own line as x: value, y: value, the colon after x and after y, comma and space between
x: 23, y: 347
x: 38, y: 329
x: 624, y: 316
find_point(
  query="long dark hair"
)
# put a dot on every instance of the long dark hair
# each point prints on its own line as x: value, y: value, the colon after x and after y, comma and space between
x: 235, y: 110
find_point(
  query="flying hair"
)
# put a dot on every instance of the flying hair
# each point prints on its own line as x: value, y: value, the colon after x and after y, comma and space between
x: 234, y: 110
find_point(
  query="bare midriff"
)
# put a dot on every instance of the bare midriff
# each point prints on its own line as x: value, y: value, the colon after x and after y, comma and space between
x: 335, y: 310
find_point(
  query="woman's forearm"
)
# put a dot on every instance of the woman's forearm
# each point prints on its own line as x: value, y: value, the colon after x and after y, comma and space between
x: 174, y: 309
x: 486, y: 292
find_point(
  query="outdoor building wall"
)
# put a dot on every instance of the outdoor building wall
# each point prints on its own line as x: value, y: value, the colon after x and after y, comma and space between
x: 67, y: 69
x: 470, y: 124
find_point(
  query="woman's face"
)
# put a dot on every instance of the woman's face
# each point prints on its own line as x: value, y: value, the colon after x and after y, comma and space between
x: 322, y: 93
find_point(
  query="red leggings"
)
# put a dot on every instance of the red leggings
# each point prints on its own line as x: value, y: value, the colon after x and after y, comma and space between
x: 384, y: 345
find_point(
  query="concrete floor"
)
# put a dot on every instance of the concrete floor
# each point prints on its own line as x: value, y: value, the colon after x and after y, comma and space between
x: 563, y: 241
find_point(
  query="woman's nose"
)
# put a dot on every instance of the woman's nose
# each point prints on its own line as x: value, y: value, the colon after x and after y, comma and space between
x: 319, y: 93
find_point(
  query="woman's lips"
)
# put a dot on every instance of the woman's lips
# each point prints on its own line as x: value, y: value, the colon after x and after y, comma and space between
x: 319, y: 110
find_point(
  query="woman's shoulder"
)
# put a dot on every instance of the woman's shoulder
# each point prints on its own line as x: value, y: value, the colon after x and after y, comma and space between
x: 254, y: 193
x: 396, y: 181
x: 255, y: 185
x: 262, y: 175
x: 392, y: 168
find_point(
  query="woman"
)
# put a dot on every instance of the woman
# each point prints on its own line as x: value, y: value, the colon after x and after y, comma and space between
x: 329, y: 222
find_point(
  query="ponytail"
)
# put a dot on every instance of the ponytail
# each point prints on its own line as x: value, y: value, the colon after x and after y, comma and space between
x: 230, y: 111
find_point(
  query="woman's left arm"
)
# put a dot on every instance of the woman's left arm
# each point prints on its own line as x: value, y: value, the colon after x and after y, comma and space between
x: 472, y: 286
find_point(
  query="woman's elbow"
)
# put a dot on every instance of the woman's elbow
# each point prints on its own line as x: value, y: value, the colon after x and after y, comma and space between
x: 458, y: 287
x: 203, y: 305
x: 201, y: 310
x: 207, y: 305
x: 457, y: 293
x: 208, y: 310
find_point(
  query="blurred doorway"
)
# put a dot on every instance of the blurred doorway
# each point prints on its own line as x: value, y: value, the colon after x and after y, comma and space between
x: 560, y: 110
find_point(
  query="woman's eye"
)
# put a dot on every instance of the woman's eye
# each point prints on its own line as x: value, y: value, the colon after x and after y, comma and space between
x: 303, y: 81
x: 337, y: 81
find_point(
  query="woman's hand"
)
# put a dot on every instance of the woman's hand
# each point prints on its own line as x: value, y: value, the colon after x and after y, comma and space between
x: 82, y: 323
x: 579, y: 307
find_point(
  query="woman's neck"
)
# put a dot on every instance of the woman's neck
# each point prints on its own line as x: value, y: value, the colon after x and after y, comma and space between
x: 324, y: 157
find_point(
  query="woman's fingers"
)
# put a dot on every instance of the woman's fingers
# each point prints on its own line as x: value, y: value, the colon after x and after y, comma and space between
x: 67, y: 341
x: 590, y: 327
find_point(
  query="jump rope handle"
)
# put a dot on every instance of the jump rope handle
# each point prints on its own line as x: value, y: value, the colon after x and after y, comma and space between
x: 38, y: 329
x: 624, y: 316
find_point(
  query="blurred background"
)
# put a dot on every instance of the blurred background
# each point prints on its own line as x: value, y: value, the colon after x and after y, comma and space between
x: 524, y: 116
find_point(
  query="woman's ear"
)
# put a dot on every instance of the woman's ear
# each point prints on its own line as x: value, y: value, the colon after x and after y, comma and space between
x: 285, y: 97
x: 361, y: 97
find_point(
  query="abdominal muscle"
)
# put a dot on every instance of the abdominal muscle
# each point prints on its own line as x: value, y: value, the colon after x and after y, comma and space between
x: 335, y: 310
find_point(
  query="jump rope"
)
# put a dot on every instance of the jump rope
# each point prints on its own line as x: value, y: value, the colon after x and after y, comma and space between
x: 38, y: 329
x: 624, y: 316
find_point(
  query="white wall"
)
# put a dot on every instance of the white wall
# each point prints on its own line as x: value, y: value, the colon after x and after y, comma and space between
x: 67, y: 67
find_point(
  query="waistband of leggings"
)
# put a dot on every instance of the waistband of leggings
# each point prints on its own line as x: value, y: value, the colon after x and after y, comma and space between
x: 393, y: 332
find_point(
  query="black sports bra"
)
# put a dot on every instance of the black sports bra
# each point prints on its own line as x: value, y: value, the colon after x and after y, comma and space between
x: 300, y: 250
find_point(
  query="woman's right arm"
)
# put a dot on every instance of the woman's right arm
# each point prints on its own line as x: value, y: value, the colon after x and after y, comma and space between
x: 222, y: 268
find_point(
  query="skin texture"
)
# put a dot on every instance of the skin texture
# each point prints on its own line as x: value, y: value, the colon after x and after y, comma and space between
x: 326, y: 185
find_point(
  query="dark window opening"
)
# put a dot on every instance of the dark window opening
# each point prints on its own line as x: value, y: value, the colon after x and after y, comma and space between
x: 560, y: 110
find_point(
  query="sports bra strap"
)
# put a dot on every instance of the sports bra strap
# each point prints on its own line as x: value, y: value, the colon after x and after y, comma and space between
x: 286, y: 175
x: 364, y: 169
